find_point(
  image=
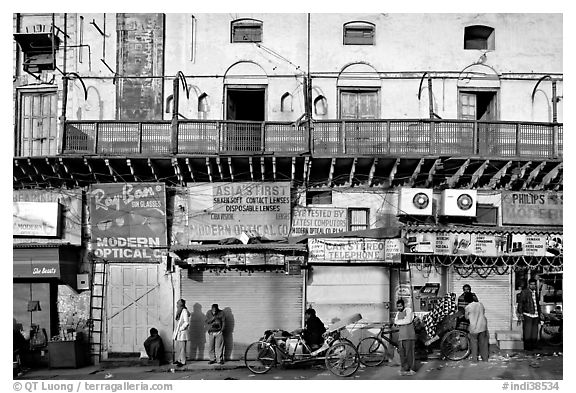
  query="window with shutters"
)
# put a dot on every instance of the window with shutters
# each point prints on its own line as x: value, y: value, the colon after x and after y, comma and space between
x: 359, y: 104
x: 246, y: 30
x: 358, y: 219
x: 479, y: 37
x: 359, y: 33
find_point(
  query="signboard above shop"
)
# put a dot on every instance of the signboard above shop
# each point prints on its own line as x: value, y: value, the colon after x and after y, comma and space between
x: 224, y: 210
x: 128, y: 221
x: 532, y: 208
x: 36, y: 219
x: 318, y: 221
x: 354, y: 250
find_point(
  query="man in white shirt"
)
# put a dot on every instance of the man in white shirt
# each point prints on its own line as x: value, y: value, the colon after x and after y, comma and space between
x: 479, y: 337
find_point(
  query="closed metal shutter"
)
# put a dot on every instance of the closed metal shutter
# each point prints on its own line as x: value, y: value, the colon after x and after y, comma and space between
x: 253, y: 302
x: 494, y: 292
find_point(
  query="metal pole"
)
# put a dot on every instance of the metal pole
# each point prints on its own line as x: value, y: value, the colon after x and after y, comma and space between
x: 308, y: 93
x: 430, y: 99
x: 175, y: 105
x: 64, y: 79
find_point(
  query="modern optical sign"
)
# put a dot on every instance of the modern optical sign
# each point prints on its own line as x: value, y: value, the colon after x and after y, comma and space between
x: 36, y: 219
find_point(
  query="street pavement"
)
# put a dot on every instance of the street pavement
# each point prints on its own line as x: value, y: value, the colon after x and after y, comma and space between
x: 501, y: 366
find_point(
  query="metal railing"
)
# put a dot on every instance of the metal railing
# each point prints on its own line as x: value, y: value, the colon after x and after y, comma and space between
x: 328, y: 138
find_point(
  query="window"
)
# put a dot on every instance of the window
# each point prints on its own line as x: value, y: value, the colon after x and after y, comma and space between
x: 479, y: 37
x: 203, y: 106
x: 358, y: 104
x: 318, y: 197
x: 320, y: 106
x: 246, y: 30
x: 286, y: 103
x: 359, y: 33
x: 486, y: 214
x: 358, y: 219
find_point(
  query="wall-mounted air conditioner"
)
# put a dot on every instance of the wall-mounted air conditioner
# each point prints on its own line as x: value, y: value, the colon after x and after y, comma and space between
x: 415, y: 202
x: 460, y: 203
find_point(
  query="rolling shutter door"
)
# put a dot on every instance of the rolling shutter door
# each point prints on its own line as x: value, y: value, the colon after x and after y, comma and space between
x: 253, y: 302
x: 494, y: 292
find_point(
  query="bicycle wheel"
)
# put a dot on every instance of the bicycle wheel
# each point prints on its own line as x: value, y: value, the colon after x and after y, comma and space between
x: 551, y: 335
x: 342, y: 359
x: 455, y: 345
x: 259, y: 357
x: 372, y: 351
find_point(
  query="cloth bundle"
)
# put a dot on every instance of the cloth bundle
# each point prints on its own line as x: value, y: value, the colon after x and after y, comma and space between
x: 446, y: 306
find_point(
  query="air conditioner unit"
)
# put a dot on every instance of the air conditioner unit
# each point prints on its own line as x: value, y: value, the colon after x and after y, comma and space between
x: 461, y: 203
x: 415, y: 202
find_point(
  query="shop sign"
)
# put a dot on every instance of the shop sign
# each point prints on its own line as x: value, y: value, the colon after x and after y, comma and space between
x: 69, y: 217
x: 318, y: 221
x: 554, y: 245
x: 347, y: 250
x: 274, y: 259
x: 528, y: 245
x: 485, y: 245
x: 128, y: 221
x: 532, y: 208
x: 420, y: 242
x: 393, y: 250
x: 34, y: 219
x: 224, y: 210
x: 293, y: 266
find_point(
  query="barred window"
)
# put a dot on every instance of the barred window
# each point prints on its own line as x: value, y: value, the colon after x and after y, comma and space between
x: 358, y: 219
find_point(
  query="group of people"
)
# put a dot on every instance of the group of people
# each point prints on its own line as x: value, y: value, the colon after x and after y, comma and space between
x: 469, y: 309
x: 216, y: 323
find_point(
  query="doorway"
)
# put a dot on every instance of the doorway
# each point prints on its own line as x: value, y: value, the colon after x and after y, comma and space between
x: 244, y: 104
x: 478, y: 105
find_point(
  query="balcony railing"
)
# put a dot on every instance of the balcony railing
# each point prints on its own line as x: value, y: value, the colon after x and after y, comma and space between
x: 328, y: 138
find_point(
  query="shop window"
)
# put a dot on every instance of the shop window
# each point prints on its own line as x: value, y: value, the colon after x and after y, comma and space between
x: 486, y: 214
x: 246, y: 30
x: 358, y: 219
x: 479, y: 37
x: 318, y: 197
x: 39, y: 50
x: 359, y: 33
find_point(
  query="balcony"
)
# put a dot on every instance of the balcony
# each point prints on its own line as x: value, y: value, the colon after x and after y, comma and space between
x: 329, y: 138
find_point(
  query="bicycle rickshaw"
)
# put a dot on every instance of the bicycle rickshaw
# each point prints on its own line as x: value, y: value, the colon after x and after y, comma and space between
x: 279, y: 347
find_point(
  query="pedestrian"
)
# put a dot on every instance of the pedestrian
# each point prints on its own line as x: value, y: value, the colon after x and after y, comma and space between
x: 462, y: 303
x: 181, y: 334
x: 406, y: 338
x: 216, y: 321
x: 154, y: 346
x: 529, y: 313
x: 478, y: 329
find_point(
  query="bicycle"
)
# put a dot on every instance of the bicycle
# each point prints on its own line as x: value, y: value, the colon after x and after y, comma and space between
x: 374, y: 350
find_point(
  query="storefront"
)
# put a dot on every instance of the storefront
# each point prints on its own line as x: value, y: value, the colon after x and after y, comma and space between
x: 493, y: 261
x: 128, y: 232
x: 259, y: 287
x: 350, y: 275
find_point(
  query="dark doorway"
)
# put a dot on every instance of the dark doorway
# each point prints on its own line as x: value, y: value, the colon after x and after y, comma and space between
x: 244, y: 105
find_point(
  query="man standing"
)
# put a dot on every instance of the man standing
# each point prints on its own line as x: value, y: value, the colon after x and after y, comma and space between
x: 181, y: 334
x: 479, y: 337
x: 406, y: 338
x: 216, y: 321
x: 529, y: 313
x: 462, y: 303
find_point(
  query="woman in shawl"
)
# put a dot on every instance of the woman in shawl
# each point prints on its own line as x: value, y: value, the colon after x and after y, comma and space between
x: 181, y: 334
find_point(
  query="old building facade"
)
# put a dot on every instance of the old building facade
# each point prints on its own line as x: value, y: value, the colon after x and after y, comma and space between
x: 272, y: 162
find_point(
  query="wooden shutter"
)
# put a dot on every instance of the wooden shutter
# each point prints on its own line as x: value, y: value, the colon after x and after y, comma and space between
x: 467, y: 106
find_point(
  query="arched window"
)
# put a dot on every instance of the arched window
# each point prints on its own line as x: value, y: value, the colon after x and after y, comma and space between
x: 479, y: 37
x: 359, y: 33
x: 286, y: 102
x: 203, y: 106
x: 246, y: 30
x: 320, y: 106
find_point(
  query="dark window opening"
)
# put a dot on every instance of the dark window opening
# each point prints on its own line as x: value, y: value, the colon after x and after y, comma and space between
x: 318, y: 197
x: 486, y: 214
x: 359, y: 33
x: 245, y: 104
x: 246, y: 30
x: 479, y: 37
x: 358, y: 219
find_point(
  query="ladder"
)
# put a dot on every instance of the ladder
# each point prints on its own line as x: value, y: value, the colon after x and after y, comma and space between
x: 97, y: 295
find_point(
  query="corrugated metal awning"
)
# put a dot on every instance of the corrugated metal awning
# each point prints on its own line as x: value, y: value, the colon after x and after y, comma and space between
x: 203, y: 248
x: 531, y: 230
